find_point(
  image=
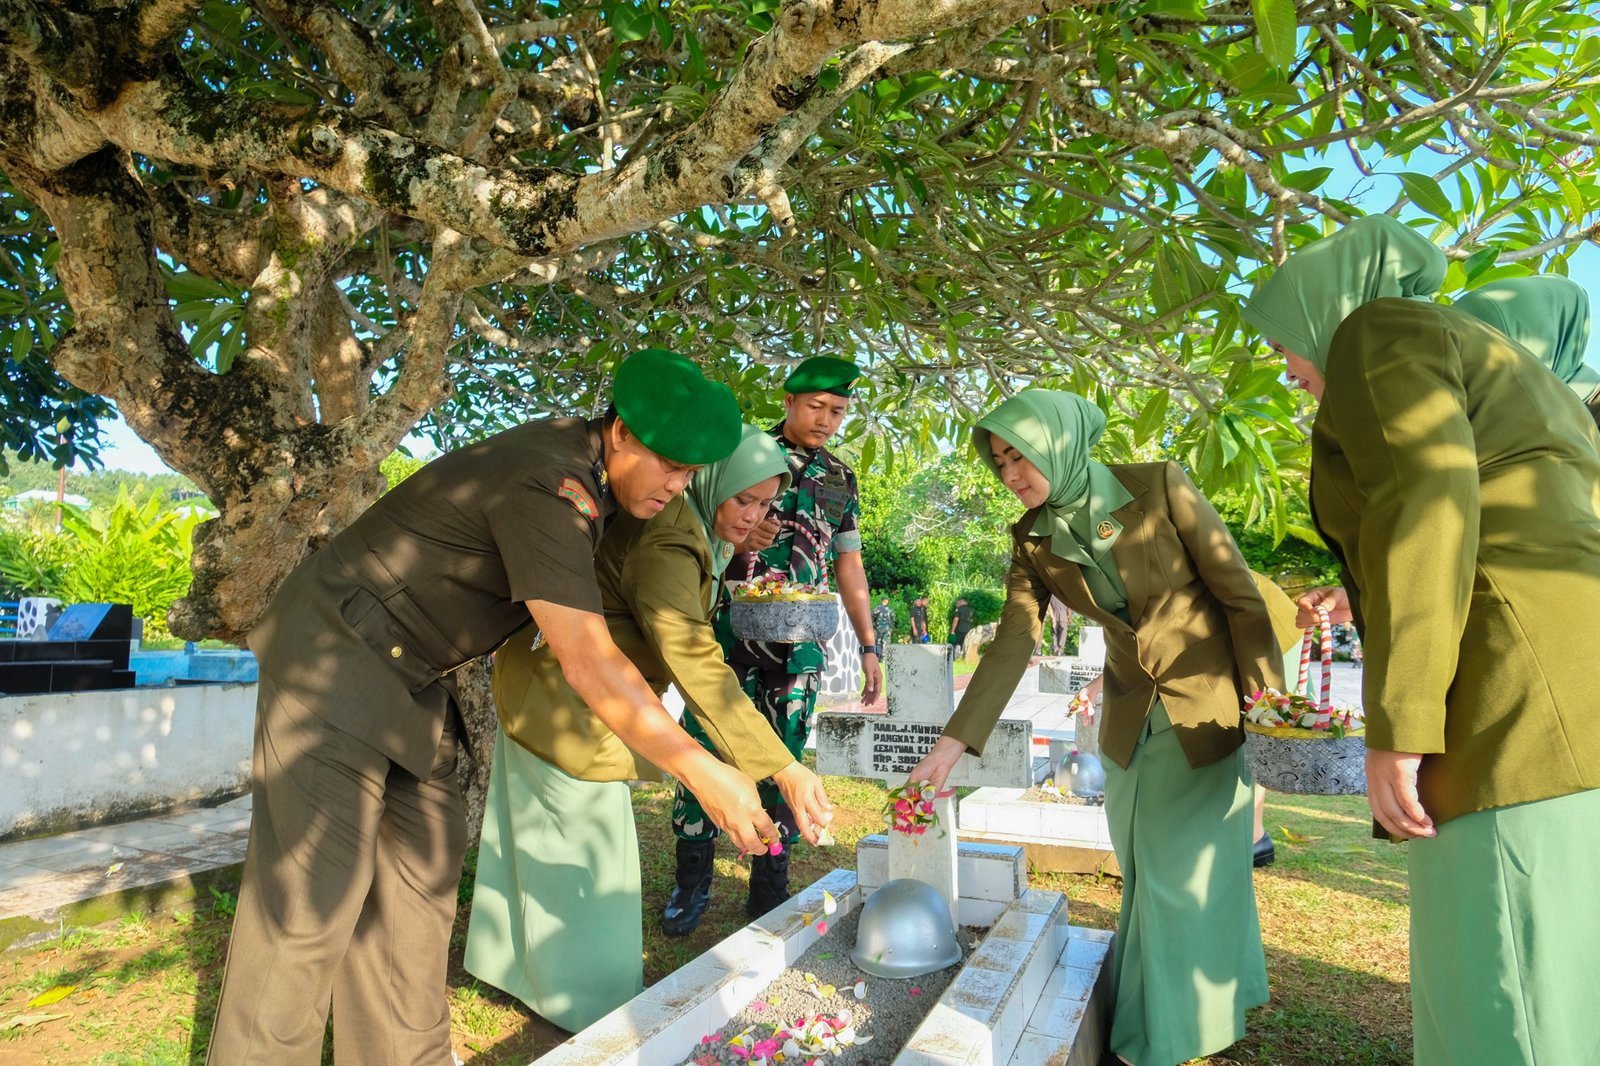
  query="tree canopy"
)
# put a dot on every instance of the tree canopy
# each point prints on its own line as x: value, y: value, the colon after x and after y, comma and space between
x: 282, y: 235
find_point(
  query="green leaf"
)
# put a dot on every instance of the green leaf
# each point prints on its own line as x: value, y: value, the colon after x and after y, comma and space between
x: 1308, y: 180
x: 1576, y: 205
x: 1152, y: 418
x: 1425, y: 193
x: 1275, y: 30
x: 1412, y: 138
x: 1165, y: 292
x: 1479, y: 261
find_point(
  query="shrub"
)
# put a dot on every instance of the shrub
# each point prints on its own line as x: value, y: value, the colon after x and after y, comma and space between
x: 32, y: 563
x: 135, y: 552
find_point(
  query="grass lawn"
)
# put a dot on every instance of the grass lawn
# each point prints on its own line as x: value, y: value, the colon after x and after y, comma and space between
x: 142, y: 992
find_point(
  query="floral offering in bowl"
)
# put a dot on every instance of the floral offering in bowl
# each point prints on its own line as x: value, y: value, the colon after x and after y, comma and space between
x: 777, y: 611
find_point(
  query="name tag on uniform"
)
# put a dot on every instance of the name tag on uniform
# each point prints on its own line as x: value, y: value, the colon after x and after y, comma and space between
x: 832, y: 496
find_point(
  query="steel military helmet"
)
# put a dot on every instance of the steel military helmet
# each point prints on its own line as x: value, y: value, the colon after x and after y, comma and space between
x: 905, y: 930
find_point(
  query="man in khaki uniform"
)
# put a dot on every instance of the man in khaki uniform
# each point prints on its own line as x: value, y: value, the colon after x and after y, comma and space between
x: 358, y: 834
x: 558, y: 865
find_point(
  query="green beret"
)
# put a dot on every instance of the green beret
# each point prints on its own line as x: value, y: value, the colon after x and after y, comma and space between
x: 823, y: 373
x: 669, y: 405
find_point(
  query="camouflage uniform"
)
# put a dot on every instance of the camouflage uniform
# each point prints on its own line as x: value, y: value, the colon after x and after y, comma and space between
x: 818, y: 520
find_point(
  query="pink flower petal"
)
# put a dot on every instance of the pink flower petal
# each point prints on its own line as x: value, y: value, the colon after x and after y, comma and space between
x: 915, y: 991
x: 822, y: 928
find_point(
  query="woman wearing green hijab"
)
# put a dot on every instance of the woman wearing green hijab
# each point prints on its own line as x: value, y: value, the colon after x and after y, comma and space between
x: 1458, y: 482
x: 1136, y: 548
x: 556, y: 914
x: 1549, y: 316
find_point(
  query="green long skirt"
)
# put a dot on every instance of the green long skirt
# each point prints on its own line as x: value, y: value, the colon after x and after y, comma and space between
x: 1505, y: 936
x: 1188, y: 955
x: 556, y: 915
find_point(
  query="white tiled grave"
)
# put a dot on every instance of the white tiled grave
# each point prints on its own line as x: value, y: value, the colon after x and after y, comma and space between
x: 1030, y: 994
x: 1058, y: 837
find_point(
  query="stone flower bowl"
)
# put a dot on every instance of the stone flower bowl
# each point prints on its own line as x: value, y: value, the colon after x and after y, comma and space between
x: 1306, y: 762
x: 792, y: 619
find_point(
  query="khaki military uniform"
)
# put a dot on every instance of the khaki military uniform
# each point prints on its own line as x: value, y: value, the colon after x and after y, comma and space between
x: 654, y: 578
x: 558, y: 865
x: 358, y: 834
x: 1197, y: 638
x: 1186, y: 633
x: 1458, y: 482
x: 819, y: 519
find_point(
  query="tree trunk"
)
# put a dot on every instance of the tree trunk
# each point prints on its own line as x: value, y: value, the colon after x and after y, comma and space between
x: 478, y: 715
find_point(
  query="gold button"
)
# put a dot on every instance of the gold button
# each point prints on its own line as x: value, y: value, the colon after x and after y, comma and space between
x: 1105, y: 530
x: 395, y: 652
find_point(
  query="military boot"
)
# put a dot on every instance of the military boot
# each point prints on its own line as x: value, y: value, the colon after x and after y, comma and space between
x: 692, y: 894
x: 769, y: 874
x: 769, y: 883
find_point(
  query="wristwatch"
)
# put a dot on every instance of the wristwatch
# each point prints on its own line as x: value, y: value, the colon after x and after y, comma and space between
x: 871, y: 649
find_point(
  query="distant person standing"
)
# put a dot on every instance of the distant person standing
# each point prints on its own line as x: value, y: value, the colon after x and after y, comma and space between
x: 919, y: 620
x: 1060, y: 620
x: 882, y: 620
x: 960, y: 622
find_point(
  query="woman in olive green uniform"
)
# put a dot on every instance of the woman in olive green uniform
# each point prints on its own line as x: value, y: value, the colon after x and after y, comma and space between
x: 1137, y: 549
x: 556, y: 914
x: 1459, y: 483
x: 1549, y: 316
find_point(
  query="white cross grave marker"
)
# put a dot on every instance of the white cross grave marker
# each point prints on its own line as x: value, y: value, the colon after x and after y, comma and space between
x: 886, y: 746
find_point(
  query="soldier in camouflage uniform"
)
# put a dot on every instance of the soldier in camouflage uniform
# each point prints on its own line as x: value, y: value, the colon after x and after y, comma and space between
x: 811, y: 536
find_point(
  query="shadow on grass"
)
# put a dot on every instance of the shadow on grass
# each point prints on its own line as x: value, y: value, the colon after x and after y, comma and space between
x: 1321, y: 1014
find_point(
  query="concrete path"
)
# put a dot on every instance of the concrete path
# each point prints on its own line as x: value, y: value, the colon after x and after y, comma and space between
x: 51, y: 884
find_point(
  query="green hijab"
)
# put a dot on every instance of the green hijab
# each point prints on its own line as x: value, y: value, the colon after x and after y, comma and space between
x: 1302, y: 305
x: 1546, y: 314
x: 757, y: 458
x: 1055, y: 432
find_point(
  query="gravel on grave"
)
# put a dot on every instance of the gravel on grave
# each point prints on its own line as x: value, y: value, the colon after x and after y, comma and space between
x: 1050, y: 795
x: 888, y: 1015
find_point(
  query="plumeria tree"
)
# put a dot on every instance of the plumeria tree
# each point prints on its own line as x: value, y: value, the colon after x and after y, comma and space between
x: 283, y: 235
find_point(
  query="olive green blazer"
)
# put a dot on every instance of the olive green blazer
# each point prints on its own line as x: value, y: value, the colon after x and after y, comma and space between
x: 1458, y: 482
x: 655, y: 578
x: 1283, y: 613
x: 1200, y: 635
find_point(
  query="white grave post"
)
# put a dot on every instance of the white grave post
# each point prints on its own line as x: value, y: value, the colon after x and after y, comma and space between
x: 886, y: 746
x: 1065, y: 675
x: 1092, y: 644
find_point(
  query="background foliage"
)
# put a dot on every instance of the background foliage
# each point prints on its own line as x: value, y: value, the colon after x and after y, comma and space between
x: 1071, y: 198
x: 135, y: 551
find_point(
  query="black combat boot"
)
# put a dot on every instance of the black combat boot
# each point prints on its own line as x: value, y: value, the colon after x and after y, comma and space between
x: 692, y: 894
x: 769, y: 883
x: 769, y: 874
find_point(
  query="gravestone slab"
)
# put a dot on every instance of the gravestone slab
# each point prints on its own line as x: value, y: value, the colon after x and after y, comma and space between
x: 1066, y: 674
x: 885, y: 746
x: 94, y: 621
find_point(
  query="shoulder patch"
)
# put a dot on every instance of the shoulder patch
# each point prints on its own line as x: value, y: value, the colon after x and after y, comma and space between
x: 574, y: 493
